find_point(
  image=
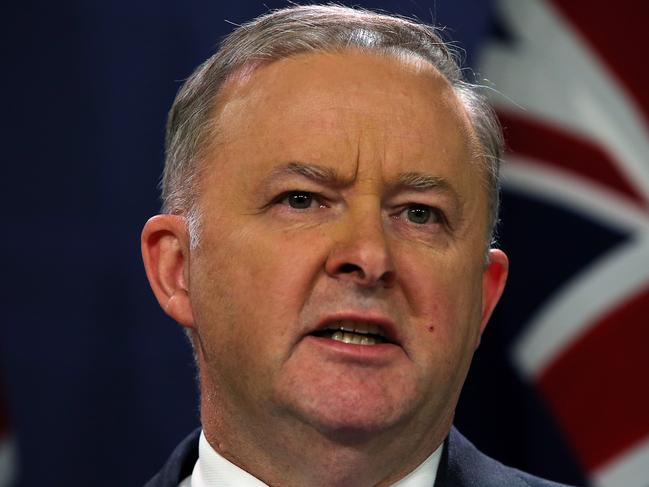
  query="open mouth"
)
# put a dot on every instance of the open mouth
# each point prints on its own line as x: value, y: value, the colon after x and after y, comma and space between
x: 353, y: 332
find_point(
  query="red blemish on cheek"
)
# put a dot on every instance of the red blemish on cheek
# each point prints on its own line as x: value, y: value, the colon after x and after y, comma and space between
x: 431, y: 328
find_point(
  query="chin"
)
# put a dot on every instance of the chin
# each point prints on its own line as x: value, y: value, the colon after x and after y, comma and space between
x: 350, y: 430
x: 353, y: 416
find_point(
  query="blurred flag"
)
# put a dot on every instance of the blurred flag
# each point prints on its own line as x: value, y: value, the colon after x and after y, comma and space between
x: 7, y: 458
x: 575, y: 109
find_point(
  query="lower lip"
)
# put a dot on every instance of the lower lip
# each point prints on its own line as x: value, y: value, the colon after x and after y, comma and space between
x: 378, y: 353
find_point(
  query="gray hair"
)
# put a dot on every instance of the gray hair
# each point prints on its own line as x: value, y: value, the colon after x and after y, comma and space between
x: 300, y: 29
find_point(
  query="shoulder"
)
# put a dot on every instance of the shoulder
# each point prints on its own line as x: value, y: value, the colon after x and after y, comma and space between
x: 462, y: 464
x: 180, y: 464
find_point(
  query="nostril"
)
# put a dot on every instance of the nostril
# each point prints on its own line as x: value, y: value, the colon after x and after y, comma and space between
x: 350, y: 268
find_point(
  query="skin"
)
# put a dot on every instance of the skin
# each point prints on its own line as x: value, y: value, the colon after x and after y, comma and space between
x: 270, y: 266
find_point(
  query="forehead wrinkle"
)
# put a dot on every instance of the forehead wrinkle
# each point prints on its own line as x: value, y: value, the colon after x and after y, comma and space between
x: 320, y: 174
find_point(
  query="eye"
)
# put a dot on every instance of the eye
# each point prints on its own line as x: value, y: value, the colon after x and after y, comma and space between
x: 418, y: 214
x: 299, y: 200
x: 421, y: 214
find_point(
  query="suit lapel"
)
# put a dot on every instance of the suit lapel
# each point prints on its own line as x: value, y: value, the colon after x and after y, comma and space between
x: 179, y: 465
x: 462, y: 465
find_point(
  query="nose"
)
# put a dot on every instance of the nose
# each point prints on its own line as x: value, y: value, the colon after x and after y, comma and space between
x: 360, y: 252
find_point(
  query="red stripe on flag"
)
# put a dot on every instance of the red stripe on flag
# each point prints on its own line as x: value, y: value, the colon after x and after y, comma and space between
x: 569, y: 152
x: 617, y: 32
x: 597, y: 388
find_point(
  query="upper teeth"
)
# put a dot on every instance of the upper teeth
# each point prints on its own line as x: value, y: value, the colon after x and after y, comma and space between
x: 356, y: 327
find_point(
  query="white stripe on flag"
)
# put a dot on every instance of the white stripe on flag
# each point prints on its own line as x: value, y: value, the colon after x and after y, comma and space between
x: 7, y: 462
x: 628, y: 470
x: 576, y: 306
x: 555, y: 77
x: 562, y: 188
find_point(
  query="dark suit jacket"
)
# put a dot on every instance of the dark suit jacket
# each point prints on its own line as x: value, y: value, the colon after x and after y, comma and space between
x: 461, y: 465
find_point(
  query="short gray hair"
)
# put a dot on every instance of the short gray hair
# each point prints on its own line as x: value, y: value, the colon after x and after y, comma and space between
x: 300, y: 29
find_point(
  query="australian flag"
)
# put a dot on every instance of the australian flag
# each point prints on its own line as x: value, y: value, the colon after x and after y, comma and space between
x: 571, y: 80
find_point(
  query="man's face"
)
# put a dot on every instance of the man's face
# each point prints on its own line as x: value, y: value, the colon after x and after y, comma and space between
x: 342, y: 190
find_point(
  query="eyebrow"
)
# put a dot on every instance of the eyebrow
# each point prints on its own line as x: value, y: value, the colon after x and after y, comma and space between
x: 318, y: 174
x: 421, y: 182
x: 412, y: 181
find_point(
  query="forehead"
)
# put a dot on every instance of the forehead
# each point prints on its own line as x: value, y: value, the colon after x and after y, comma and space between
x: 343, y: 108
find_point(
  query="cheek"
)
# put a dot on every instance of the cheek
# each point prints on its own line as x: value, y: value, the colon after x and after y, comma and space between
x: 279, y: 268
x: 445, y: 295
x: 252, y: 279
x: 448, y: 328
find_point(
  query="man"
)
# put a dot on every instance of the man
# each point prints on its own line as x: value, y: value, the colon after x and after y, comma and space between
x: 330, y: 192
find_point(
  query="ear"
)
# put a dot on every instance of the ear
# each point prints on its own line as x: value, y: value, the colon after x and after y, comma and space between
x: 494, y: 277
x: 165, y: 251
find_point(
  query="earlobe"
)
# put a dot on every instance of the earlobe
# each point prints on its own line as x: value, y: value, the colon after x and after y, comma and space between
x: 165, y: 251
x: 493, y: 283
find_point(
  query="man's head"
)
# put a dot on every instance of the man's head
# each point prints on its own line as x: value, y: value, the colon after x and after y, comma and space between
x: 337, y: 287
x: 292, y: 31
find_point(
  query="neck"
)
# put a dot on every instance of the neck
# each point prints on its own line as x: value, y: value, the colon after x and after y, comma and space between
x: 281, y: 451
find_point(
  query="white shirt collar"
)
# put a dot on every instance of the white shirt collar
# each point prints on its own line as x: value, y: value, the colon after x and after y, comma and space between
x: 213, y: 470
